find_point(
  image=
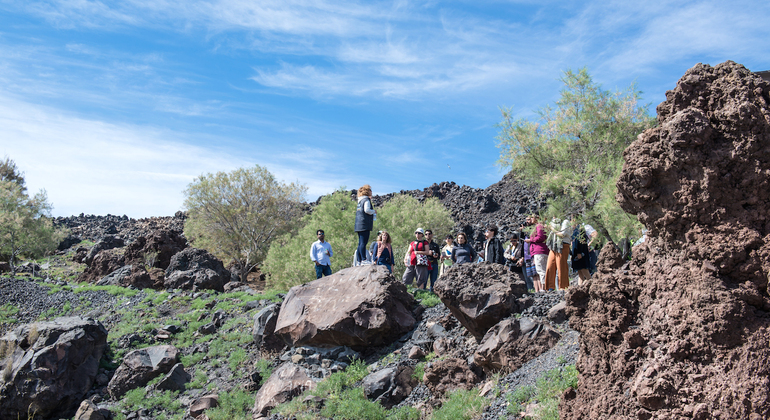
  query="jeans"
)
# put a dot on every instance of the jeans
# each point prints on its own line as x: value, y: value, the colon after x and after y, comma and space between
x: 433, y: 275
x: 363, y: 239
x: 322, y: 270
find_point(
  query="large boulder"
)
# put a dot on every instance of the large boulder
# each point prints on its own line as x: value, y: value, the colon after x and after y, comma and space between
x: 49, y: 366
x: 286, y: 382
x: 480, y: 295
x: 157, y: 248
x: 140, y: 367
x: 357, y: 306
x: 681, y: 331
x: 196, y: 269
x: 105, y: 243
x: 513, y: 342
x: 104, y: 263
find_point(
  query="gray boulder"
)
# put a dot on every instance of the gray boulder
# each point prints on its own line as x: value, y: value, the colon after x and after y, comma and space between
x: 117, y: 277
x: 357, y: 306
x: 390, y: 386
x: 140, y: 367
x: 196, y: 269
x: 264, y: 328
x: 50, y: 366
x: 175, y: 379
x: 105, y: 243
x: 513, y: 342
x: 286, y: 382
x: 480, y: 295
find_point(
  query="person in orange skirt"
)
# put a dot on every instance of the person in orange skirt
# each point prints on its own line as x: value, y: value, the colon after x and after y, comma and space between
x: 559, y: 238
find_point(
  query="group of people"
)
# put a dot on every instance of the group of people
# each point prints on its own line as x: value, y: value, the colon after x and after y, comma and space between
x: 538, y: 258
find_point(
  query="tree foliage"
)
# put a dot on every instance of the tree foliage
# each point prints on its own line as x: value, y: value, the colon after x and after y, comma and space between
x: 9, y: 172
x: 574, y: 152
x: 288, y: 261
x: 236, y: 215
x: 26, y: 229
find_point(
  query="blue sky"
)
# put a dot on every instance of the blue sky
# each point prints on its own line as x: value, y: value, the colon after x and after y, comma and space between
x: 114, y: 107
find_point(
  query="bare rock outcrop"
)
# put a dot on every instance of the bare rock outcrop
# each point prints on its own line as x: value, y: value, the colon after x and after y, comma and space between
x: 141, y: 366
x: 513, y: 342
x: 448, y: 375
x: 48, y: 367
x: 157, y: 248
x: 682, y: 330
x: 357, y: 306
x: 481, y: 295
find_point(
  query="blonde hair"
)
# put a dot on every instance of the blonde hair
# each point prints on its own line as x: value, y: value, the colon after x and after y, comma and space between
x: 365, y: 191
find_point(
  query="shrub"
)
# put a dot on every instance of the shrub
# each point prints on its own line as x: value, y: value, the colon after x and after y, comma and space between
x: 461, y: 404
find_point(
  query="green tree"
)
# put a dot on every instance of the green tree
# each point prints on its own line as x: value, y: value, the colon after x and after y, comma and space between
x: 574, y: 152
x: 288, y: 261
x: 9, y: 172
x: 26, y: 229
x: 236, y: 215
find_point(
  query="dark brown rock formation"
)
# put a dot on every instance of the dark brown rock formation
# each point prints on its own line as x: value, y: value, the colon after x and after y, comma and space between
x: 196, y: 269
x: 157, y: 248
x: 682, y: 330
x: 47, y: 367
x: 141, y: 366
x: 448, y: 375
x: 356, y: 306
x: 513, y: 342
x: 288, y: 381
x: 481, y: 295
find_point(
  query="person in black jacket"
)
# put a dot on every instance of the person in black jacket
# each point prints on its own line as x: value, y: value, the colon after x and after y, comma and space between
x: 433, y: 257
x: 580, y: 256
x: 364, y: 223
x: 493, y: 248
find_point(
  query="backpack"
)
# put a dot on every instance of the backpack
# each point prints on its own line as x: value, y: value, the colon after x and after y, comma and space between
x: 420, y: 259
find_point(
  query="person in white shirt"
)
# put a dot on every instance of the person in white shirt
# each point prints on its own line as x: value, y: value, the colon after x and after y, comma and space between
x: 320, y: 253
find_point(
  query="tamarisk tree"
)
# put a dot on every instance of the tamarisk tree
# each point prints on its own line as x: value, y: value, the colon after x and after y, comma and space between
x: 574, y: 151
x: 236, y: 215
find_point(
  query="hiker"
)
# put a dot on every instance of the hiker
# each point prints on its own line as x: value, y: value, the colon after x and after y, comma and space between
x: 446, y: 254
x: 514, y: 258
x: 382, y: 254
x: 320, y: 253
x: 462, y: 252
x: 435, y: 251
x: 580, y: 257
x: 558, y: 241
x: 364, y: 224
x: 416, y: 260
x: 373, y: 249
x: 538, y: 249
x: 493, y: 249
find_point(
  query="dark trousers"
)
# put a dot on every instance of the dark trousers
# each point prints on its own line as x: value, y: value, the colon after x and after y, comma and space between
x: 363, y: 239
x: 433, y: 273
x: 322, y: 270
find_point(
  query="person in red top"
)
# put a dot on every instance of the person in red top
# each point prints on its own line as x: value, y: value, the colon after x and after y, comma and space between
x: 418, y: 266
x: 538, y: 249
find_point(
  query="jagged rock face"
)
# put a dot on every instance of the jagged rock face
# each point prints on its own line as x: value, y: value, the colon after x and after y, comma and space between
x: 480, y: 295
x: 356, y: 306
x: 48, y: 367
x: 513, y: 342
x: 196, y: 269
x: 103, y: 264
x: 157, y: 248
x: 389, y: 386
x: 449, y: 375
x: 93, y: 228
x: 682, y: 330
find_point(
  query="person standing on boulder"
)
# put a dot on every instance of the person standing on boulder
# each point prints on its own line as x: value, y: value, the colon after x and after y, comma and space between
x: 463, y: 252
x: 320, y: 253
x: 364, y: 224
x: 418, y: 260
x: 538, y: 249
x: 493, y: 249
x: 433, y: 257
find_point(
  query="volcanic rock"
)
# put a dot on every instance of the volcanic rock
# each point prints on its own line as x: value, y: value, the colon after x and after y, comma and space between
x: 107, y: 242
x: 140, y: 367
x: 288, y: 381
x: 682, y: 330
x: 103, y: 264
x: 513, y: 342
x: 357, y: 306
x: 157, y: 248
x: 389, y: 386
x: 264, y: 328
x: 89, y: 411
x: 196, y: 269
x: 480, y: 295
x: 448, y: 375
x: 49, y: 366
x: 202, y: 404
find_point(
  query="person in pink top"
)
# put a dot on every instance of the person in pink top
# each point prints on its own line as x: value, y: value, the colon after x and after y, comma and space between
x: 539, y: 250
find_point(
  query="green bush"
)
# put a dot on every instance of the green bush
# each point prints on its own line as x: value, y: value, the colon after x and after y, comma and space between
x: 8, y: 314
x: 233, y: 405
x: 288, y: 261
